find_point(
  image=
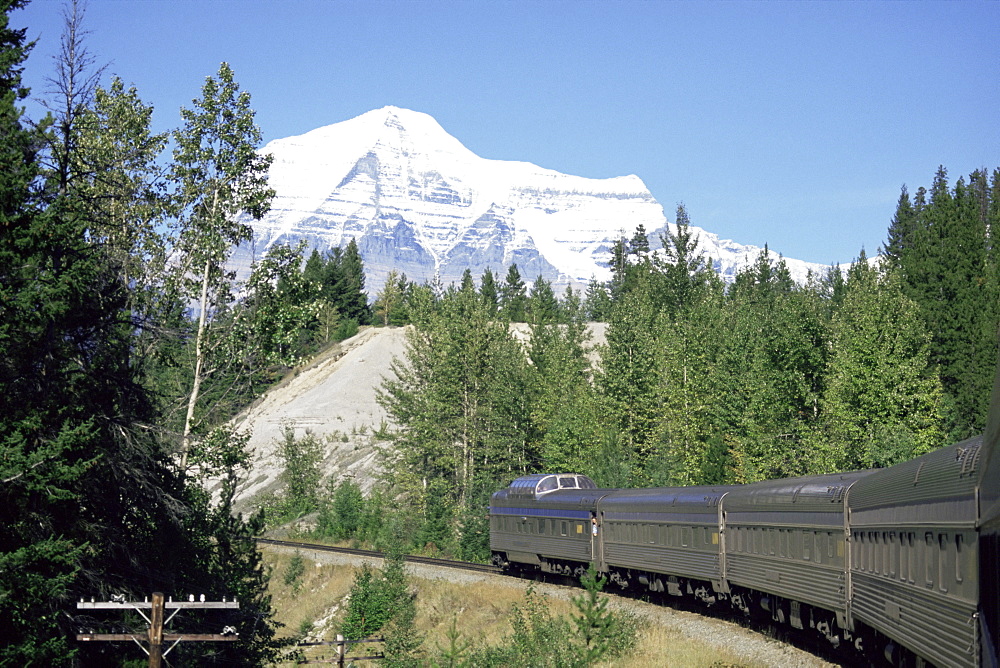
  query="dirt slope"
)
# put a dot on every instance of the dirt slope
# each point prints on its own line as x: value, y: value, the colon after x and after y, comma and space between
x: 334, y: 398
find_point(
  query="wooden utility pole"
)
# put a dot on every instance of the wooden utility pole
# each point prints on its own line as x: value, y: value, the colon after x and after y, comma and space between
x: 155, y: 636
x: 156, y: 631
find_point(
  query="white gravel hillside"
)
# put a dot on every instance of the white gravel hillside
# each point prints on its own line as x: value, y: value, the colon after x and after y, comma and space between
x: 333, y: 398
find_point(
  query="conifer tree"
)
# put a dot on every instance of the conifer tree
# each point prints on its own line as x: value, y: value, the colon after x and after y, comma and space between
x: 597, y: 303
x: 564, y: 407
x: 349, y: 288
x: 542, y: 306
x: 901, y: 231
x: 513, y: 296
x: 684, y: 271
x: 390, y: 299
x: 488, y: 291
x: 948, y: 269
x: 627, y: 379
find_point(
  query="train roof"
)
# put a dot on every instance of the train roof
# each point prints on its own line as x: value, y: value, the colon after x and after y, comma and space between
x: 937, y: 487
x: 537, y: 485
x: 698, y: 495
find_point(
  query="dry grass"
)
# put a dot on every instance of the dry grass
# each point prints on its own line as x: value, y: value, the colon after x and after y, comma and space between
x: 481, y: 609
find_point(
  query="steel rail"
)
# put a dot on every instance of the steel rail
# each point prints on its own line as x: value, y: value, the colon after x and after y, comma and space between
x: 427, y: 561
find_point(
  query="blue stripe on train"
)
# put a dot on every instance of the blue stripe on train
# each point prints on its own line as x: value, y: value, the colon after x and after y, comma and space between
x: 541, y: 512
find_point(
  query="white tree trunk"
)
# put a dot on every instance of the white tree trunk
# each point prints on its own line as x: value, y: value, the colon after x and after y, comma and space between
x: 199, y: 362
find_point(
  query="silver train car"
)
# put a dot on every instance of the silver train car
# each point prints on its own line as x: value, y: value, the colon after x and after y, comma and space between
x: 900, y: 563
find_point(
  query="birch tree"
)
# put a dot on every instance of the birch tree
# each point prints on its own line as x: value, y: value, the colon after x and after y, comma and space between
x: 221, y: 179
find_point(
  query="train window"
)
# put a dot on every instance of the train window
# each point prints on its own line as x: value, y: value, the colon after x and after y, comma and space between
x: 929, y: 559
x: 876, y: 549
x: 942, y: 560
x: 685, y: 536
x: 904, y: 556
x: 911, y: 557
x: 818, y: 537
x: 806, y: 544
x: 651, y: 534
x: 564, y: 528
x: 886, y: 557
x: 893, y: 547
x: 958, y: 557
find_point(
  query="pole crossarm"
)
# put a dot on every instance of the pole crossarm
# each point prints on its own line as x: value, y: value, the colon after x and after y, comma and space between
x: 155, y: 636
x: 167, y: 637
x: 147, y: 605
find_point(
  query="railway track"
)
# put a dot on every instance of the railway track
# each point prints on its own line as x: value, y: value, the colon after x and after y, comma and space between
x: 429, y: 561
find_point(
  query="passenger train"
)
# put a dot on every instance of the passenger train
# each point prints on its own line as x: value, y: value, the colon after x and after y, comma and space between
x: 902, y: 563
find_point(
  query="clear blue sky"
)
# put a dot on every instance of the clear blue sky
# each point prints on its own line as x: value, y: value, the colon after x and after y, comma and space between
x: 790, y: 123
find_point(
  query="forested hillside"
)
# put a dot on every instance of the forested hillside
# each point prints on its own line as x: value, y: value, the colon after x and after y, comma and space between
x: 699, y: 382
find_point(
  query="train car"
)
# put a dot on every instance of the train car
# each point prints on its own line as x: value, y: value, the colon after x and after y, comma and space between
x: 989, y: 535
x: 785, y: 550
x: 545, y: 522
x: 914, y: 571
x: 665, y: 539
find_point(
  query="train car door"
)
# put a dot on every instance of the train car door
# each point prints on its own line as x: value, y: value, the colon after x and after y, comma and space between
x: 597, y: 540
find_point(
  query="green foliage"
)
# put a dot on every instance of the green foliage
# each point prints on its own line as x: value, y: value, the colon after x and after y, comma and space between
x: 599, y: 633
x: 301, y: 477
x: 457, y: 653
x: 488, y: 291
x: 295, y: 570
x: 539, y: 639
x: 513, y: 296
x: 597, y: 301
x: 946, y: 256
x: 377, y: 597
x: 341, y: 513
x: 402, y: 644
x: 91, y: 495
x: 883, y: 401
x: 389, y: 302
x: 459, y: 400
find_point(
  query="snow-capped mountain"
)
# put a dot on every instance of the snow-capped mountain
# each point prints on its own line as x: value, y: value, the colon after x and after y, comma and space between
x: 418, y: 201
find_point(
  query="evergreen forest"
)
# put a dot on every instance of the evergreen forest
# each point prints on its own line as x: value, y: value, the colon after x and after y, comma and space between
x: 127, y: 343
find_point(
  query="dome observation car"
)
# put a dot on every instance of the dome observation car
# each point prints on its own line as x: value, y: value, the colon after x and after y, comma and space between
x: 539, y: 484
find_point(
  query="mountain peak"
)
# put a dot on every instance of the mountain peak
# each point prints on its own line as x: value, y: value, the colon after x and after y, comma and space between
x: 418, y: 201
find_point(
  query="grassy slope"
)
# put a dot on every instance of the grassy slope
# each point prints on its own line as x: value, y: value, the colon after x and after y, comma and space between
x: 481, y: 608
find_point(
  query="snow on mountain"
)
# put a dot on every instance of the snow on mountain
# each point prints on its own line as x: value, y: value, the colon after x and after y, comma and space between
x: 420, y: 202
